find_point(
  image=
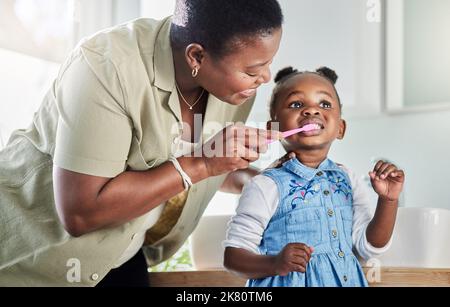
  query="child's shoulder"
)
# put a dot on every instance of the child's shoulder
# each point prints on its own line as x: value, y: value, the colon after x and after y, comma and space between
x: 350, y: 173
x: 262, y: 185
x: 262, y: 180
x: 343, y: 167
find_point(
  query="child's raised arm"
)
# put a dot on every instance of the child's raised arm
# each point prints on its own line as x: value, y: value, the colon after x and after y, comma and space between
x: 387, y: 181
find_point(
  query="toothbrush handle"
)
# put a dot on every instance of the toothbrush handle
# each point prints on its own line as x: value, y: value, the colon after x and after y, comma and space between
x: 287, y: 134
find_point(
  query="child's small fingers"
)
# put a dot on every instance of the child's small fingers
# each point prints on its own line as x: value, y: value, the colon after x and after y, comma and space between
x: 377, y: 166
x: 388, y: 171
x: 301, y: 255
x: 303, y: 248
x: 382, y: 169
x: 299, y: 268
x: 398, y: 174
x: 300, y: 261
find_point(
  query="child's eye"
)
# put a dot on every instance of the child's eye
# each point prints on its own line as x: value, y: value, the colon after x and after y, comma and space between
x: 251, y: 75
x: 325, y: 104
x: 296, y: 105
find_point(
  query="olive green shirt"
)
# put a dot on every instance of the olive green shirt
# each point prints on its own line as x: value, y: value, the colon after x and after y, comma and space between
x: 112, y: 108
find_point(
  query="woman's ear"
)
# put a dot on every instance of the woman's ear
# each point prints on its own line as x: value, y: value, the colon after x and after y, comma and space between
x: 342, y: 129
x: 194, y: 55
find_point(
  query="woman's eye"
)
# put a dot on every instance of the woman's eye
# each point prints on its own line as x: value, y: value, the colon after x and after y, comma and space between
x: 251, y: 75
x: 296, y: 105
x: 325, y: 105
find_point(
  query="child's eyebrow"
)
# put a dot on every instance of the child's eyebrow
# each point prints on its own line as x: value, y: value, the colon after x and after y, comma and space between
x: 326, y: 94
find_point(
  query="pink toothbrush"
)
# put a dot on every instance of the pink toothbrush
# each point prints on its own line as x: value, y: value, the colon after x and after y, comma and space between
x: 286, y: 134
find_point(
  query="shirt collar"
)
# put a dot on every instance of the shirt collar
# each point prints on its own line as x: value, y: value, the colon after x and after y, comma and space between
x: 307, y: 173
x: 163, y: 59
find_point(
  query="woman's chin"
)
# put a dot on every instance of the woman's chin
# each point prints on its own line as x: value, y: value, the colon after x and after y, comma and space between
x: 236, y: 100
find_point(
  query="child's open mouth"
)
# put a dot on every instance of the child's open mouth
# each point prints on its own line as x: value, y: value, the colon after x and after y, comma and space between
x: 313, y: 129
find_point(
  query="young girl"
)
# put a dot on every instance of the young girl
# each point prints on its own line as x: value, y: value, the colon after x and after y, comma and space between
x: 297, y: 225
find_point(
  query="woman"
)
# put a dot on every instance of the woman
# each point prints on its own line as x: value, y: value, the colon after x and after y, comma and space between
x: 111, y: 161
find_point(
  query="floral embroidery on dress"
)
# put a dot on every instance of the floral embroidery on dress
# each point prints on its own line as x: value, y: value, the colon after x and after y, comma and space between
x: 339, y: 185
x: 300, y: 191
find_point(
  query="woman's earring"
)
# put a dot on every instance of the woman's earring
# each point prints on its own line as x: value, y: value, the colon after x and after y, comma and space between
x: 195, y: 72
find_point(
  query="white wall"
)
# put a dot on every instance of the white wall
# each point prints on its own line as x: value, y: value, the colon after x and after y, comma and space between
x: 157, y: 9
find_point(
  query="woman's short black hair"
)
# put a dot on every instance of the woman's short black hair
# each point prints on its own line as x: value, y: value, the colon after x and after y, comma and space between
x: 214, y: 24
x: 287, y: 73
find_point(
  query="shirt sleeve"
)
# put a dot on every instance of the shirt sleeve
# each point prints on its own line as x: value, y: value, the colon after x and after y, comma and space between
x: 257, y: 205
x: 362, y: 216
x: 94, y: 132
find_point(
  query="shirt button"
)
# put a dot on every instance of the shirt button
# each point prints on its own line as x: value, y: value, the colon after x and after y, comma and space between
x: 94, y: 276
x: 341, y: 254
x: 326, y: 192
x: 330, y: 212
x: 334, y: 233
x: 133, y: 237
x: 319, y: 174
x: 176, y: 140
x: 345, y: 278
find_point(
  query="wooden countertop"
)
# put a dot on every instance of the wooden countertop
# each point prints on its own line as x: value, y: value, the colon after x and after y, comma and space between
x: 390, y: 277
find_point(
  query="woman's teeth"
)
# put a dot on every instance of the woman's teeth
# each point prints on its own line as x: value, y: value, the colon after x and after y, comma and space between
x: 249, y: 93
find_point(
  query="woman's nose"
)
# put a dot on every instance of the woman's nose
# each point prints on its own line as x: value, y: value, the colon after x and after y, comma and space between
x: 265, y: 76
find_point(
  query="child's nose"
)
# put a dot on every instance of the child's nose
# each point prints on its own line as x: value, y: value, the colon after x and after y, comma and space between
x: 311, y: 111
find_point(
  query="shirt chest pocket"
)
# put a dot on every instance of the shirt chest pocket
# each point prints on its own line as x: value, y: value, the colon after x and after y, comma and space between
x: 304, y: 226
x: 347, y: 222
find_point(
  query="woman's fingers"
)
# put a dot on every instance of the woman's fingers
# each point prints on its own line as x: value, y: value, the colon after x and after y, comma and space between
x: 253, y: 138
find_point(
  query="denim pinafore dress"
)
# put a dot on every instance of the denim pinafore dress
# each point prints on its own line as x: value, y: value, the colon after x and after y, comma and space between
x: 315, y: 208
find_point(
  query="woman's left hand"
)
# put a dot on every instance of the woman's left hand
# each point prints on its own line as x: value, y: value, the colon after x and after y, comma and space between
x: 387, y: 180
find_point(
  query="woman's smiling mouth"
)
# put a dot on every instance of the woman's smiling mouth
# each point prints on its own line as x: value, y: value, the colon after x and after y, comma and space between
x: 248, y: 93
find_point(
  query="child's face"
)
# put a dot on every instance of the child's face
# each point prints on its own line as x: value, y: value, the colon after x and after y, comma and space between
x: 309, y: 99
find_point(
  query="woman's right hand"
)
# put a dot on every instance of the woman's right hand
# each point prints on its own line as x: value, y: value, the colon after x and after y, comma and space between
x: 235, y: 148
x: 293, y: 258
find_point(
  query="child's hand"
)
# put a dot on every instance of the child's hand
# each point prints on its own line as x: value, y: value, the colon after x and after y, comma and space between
x: 387, y: 180
x: 293, y: 258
